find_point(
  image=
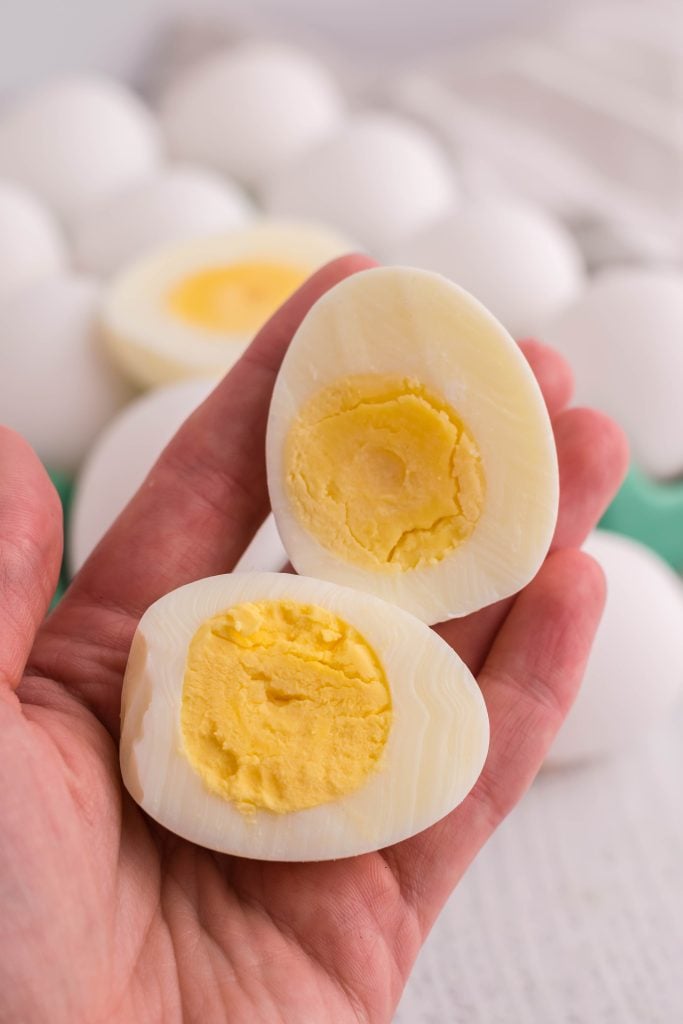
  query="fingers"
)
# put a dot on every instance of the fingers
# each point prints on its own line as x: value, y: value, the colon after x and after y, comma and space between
x: 30, y: 551
x: 592, y: 456
x: 593, y: 459
x: 193, y: 517
x: 529, y: 681
x: 552, y: 372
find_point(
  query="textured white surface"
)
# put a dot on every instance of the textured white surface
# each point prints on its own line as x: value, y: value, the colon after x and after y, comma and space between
x: 572, y: 913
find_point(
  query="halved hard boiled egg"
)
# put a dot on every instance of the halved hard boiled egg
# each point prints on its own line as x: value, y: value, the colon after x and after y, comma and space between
x: 190, y: 309
x: 409, y: 448
x: 283, y: 718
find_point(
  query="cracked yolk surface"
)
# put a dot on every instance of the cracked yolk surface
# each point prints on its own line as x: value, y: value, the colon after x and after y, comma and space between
x: 234, y: 299
x: 284, y: 706
x: 384, y: 473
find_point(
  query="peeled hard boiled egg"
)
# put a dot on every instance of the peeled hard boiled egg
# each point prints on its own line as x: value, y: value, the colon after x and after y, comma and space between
x: 623, y: 340
x: 251, y: 109
x: 59, y: 387
x: 520, y: 262
x: 409, y: 449
x: 191, y: 309
x: 381, y: 178
x: 31, y: 245
x: 176, y: 204
x: 635, y: 669
x: 282, y: 718
x: 76, y: 140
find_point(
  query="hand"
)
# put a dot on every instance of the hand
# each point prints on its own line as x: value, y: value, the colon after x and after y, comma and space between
x: 107, y: 917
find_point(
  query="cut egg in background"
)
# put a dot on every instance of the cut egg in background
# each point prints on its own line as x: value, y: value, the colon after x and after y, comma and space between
x: 192, y: 308
x: 350, y: 710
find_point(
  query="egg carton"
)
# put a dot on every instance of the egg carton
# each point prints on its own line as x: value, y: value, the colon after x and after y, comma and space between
x: 583, y: 117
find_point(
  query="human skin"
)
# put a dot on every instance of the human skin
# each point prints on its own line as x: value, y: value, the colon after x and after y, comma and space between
x: 105, y: 915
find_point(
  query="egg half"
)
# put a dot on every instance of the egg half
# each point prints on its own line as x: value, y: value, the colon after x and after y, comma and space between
x: 409, y: 448
x: 190, y: 309
x: 283, y: 718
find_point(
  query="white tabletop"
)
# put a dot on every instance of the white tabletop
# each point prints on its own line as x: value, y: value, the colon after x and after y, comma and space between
x: 573, y: 913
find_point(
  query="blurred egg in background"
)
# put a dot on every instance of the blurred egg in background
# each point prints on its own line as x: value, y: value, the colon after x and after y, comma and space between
x: 76, y: 140
x: 177, y: 203
x: 31, y: 243
x: 170, y: 172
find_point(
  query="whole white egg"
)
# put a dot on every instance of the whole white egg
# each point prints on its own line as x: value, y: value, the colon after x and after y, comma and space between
x: 381, y: 178
x: 278, y: 717
x: 635, y: 669
x: 31, y: 244
x: 58, y: 386
x: 120, y: 459
x: 251, y: 109
x: 176, y: 204
x: 76, y: 140
x: 409, y: 449
x: 622, y: 338
x: 518, y: 260
x: 122, y: 456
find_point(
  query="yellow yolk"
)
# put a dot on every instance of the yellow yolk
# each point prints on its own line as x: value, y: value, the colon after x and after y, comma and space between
x: 234, y: 299
x: 284, y: 706
x: 384, y: 473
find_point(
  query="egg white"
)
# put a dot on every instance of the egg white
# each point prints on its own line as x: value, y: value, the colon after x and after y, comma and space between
x: 155, y: 346
x: 435, y: 751
x: 394, y: 320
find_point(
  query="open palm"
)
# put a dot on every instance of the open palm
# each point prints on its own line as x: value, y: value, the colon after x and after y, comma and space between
x: 106, y: 916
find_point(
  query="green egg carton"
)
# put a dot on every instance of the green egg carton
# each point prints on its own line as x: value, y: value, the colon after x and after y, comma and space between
x: 64, y: 486
x: 650, y: 511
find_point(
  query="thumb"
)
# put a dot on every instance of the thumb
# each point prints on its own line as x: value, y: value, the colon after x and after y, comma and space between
x: 30, y: 551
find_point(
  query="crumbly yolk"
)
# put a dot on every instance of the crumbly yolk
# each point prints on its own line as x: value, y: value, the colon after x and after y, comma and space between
x: 384, y: 473
x: 284, y: 706
x: 234, y: 299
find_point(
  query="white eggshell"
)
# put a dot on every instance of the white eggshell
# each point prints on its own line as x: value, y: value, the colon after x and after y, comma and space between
x: 152, y: 344
x: 121, y: 458
x: 58, y: 386
x: 251, y: 109
x: 622, y: 338
x: 635, y: 670
x: 434, y: 754
x: 177, y: 204
x: 31, y: 245
x: 381, y: 178
x: 76, y: 140
x: 520, y: 262
x: 414, y: 323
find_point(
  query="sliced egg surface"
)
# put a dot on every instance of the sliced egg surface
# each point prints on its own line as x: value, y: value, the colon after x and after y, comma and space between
x: 191, y: 309
x: 277, y: 717
x: 409, y: 449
